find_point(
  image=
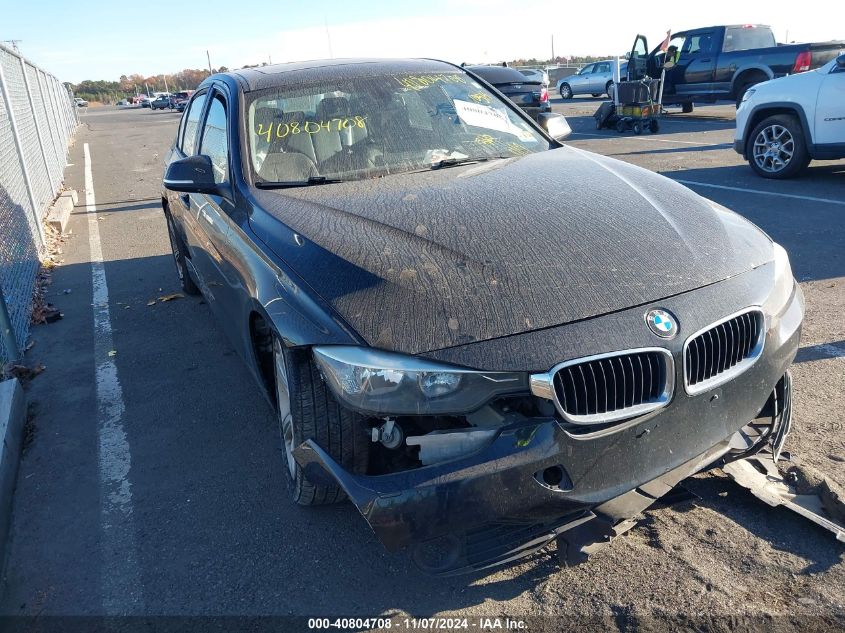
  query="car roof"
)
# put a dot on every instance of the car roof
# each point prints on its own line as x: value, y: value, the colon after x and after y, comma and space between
x: 499, y: 74
x: 273, y: 75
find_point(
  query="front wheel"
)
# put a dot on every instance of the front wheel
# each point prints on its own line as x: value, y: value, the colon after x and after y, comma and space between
x: 776, y: 148
x: 307, y: 410
x: 686, y: 108
x: 565, y: 91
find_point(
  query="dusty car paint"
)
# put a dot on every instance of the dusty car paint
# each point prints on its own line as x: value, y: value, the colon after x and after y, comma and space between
x: 501, y: 266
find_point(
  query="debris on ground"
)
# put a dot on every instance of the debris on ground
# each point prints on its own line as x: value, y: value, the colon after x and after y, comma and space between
x: 42, y: 310
x: 802, y: 489
x: 166, y: 298
x: 22, y: 372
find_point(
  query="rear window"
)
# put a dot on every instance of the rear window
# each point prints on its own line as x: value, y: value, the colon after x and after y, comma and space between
x: 743, y: 38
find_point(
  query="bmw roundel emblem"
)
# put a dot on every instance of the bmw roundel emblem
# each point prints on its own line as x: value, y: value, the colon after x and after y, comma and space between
x: 662, y: 323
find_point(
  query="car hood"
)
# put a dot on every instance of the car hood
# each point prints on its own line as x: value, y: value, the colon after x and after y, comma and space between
x: 421, y: 261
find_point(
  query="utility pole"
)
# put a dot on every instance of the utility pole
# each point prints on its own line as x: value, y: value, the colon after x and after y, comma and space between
x: 209, y: 61
x: 328, y: 37
x: 553, y: 48
x: 165, y: 84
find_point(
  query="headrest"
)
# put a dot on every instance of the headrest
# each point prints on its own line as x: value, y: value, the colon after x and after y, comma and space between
x: 331, y: 107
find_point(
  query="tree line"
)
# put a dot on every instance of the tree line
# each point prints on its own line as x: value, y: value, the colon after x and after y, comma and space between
x: 127, y: 86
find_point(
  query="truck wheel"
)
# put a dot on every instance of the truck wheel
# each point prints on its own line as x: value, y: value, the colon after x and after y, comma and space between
x: 179, y: 255
x: 686, y: 108
x: 776, y: 148
x: 565, y: 91
x: 307, y: 410
x: 740, y: 93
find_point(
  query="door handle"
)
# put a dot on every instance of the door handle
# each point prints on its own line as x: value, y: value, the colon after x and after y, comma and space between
x: 206, y: 215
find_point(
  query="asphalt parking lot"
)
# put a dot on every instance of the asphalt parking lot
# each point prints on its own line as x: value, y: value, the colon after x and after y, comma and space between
x: 195, y: 518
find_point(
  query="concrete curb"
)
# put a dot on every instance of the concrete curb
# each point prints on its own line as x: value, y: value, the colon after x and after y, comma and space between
x: 59, y: 214
x: 12, y: 418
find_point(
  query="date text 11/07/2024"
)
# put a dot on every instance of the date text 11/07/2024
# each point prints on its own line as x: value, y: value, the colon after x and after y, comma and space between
x: 418, y: 624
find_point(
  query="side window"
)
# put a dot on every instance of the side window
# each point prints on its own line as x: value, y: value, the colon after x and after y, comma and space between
x: 588, y: 69
x: 215, y: 143
x: 192, y: 120
x: 603, y: 67
x: 698, y: 43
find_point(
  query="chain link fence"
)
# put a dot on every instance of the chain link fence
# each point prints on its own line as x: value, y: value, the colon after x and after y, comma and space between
x: 37, y: 119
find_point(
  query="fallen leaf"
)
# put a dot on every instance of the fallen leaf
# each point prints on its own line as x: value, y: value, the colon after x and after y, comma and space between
x: 113, y: 353
x: 151, y: 302
x: 171, y: 297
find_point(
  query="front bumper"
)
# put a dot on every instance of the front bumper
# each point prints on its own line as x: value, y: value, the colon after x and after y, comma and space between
x: 497, y: 496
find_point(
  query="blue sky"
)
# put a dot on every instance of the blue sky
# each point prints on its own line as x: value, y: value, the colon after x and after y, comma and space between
x: 87, y: 39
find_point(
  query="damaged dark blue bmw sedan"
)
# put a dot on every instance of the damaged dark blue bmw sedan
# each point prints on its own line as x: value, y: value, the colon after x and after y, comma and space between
x: 487, y: 340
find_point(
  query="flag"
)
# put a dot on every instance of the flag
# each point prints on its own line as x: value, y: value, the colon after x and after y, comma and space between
x: 665, y: 45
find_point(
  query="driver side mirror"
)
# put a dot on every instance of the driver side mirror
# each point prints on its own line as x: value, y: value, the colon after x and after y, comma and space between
x: 840, y: 61
x: 555, y: 125
x: 193, y: 174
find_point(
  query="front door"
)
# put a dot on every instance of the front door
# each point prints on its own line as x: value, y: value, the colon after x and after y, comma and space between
x: 830, y: 107
x: 693, y: 74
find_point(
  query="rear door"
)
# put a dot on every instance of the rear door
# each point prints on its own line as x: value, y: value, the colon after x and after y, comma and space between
x: 830, y: 108
x: 601, y: 76
x: 581, y: 82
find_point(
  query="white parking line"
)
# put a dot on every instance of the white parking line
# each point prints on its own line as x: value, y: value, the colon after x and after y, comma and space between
x: 761, y: 192
x: 120, y: 580
x: 648, y: 138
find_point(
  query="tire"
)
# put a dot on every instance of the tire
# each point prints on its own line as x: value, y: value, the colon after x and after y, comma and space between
x: 620, y: 126
x: 307, y: 410
x: 565, y: 91
x: 686, y: 108
x: 743, y: 88
x: 653, y: 126
x: 608, y: 89
x: 776, y: 148
x: 180, y: 253
x: 638, y: 127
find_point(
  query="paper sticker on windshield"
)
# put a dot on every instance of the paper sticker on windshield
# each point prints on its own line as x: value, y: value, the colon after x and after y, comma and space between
x: 479, y: 115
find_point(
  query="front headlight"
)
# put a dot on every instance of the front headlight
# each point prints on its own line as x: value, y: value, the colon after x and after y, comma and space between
x: 784, y: 281
x: 385, y: 383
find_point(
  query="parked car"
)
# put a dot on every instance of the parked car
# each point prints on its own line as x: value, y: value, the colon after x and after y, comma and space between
x: 593, y: 79
x: 782, y: 125
x: 530, y: 95
x: 161, y: 103
x: 146, y: 101
x: 723, y: 62
x: 80, y: 103
x: 181, y: 104
x: 454, y: 331
x: 123, y: 102
x: 536, y: 74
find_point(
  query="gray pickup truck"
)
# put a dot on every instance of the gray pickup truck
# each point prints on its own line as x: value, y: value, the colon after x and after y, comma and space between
x: 723, y: 62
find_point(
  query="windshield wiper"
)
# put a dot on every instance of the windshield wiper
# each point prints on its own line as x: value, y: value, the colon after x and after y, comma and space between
x: 451, y: 162
x: 312, y: 180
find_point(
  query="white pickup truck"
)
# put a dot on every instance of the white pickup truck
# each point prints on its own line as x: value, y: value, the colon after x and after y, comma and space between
x: 783, y: 124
